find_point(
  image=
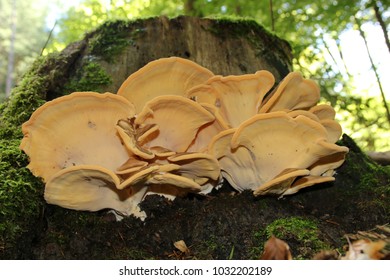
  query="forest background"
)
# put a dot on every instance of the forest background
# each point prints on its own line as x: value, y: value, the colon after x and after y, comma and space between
x: 342, y: 44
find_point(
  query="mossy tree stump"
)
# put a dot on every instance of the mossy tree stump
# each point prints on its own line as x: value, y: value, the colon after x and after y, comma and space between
x: 222, y: 225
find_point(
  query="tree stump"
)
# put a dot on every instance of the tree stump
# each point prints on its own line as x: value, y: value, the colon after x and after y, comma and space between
x: 225, y: 224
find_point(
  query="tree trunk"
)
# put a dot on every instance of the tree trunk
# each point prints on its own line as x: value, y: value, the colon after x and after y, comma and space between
x: 384, y: 101
x: 223, y: 46
x: 379, y: 18
x: 382, y: 158
x: 271, y: 13
x: 11, y: 53
x: 189, y: 8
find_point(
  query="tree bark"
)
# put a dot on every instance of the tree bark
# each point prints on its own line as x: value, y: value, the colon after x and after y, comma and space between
x: 224, y: 47
x: 381, y: 22
x: 384, y: 101
x: 271, y: 12
x: 382, y: 158
x: 11, y: 53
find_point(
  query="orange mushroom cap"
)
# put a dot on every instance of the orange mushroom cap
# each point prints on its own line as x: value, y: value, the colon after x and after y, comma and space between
x: 293, y: 93
x: 178, y: 120
x: 269, y: 151
x: 92, y: 188
x: 77, y: 129
x: 236, y: 98
x: 165, y: 76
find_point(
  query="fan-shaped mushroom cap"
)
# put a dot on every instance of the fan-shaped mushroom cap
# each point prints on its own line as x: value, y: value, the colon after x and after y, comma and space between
x: 143, y: 176
x: 92, y: 188
x: 281, y: 183
x: 237, y: 98
x: 275, y: 137
x: 237, y: 165
x: 178, y: 120
x: 185, y: 170
x: 198, y: 167
x: 326, y: 115
x: 130, y: 166
x: 165, y: 76
x: 326, y: 164
x: 269, y: 151
x: 332, y: 127
x: 293, y: 93
x: 307, y: 181
x: 76, y: 129
x: 323, y: 111
x: 170, y: 179
x: 207, y: 131
x: 130, y: 135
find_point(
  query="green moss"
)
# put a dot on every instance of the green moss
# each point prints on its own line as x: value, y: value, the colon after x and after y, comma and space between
x: 43, y: 79
x: 90, y: 77
x: 208, y: 249
x: 112, y: 37
x: 20, y: 194
x: 302, y: 235
x: 364, y: 178
x: 25, y: 98
x: 236, y: 26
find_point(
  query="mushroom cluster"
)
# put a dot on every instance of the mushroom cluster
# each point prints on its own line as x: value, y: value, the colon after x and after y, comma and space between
x: 174, y: 127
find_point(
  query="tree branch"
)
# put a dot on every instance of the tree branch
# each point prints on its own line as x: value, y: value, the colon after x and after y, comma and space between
x: 363, y: 35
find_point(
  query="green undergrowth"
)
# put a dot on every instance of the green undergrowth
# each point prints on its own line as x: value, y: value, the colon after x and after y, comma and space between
x: 302, y: 236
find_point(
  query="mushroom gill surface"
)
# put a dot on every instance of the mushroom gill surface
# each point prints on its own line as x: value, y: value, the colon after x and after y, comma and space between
x: 92, y: 188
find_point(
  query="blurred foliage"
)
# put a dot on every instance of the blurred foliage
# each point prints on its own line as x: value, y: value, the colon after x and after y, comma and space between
x: 312, y: 27
x: 29, y: 18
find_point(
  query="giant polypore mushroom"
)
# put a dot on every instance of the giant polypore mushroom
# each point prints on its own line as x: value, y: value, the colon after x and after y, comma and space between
x: 93, y: 188
x: 268, y: 152
x: 74, y: 147
x: 175, y: 127
x: 174, y: 123
x: 76, y: 129
x: 178, y: 120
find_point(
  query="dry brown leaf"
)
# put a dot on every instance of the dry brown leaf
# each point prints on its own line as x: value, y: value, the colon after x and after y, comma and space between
x: 276, y: 249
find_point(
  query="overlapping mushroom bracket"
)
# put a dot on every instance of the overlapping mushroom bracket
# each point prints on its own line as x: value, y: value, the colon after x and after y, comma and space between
x: 278, y: 142
x: 174, y: 127
x: 96, y: 151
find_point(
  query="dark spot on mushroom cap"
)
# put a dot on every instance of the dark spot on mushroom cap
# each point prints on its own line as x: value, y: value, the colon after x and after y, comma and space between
x: 91, y: 125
